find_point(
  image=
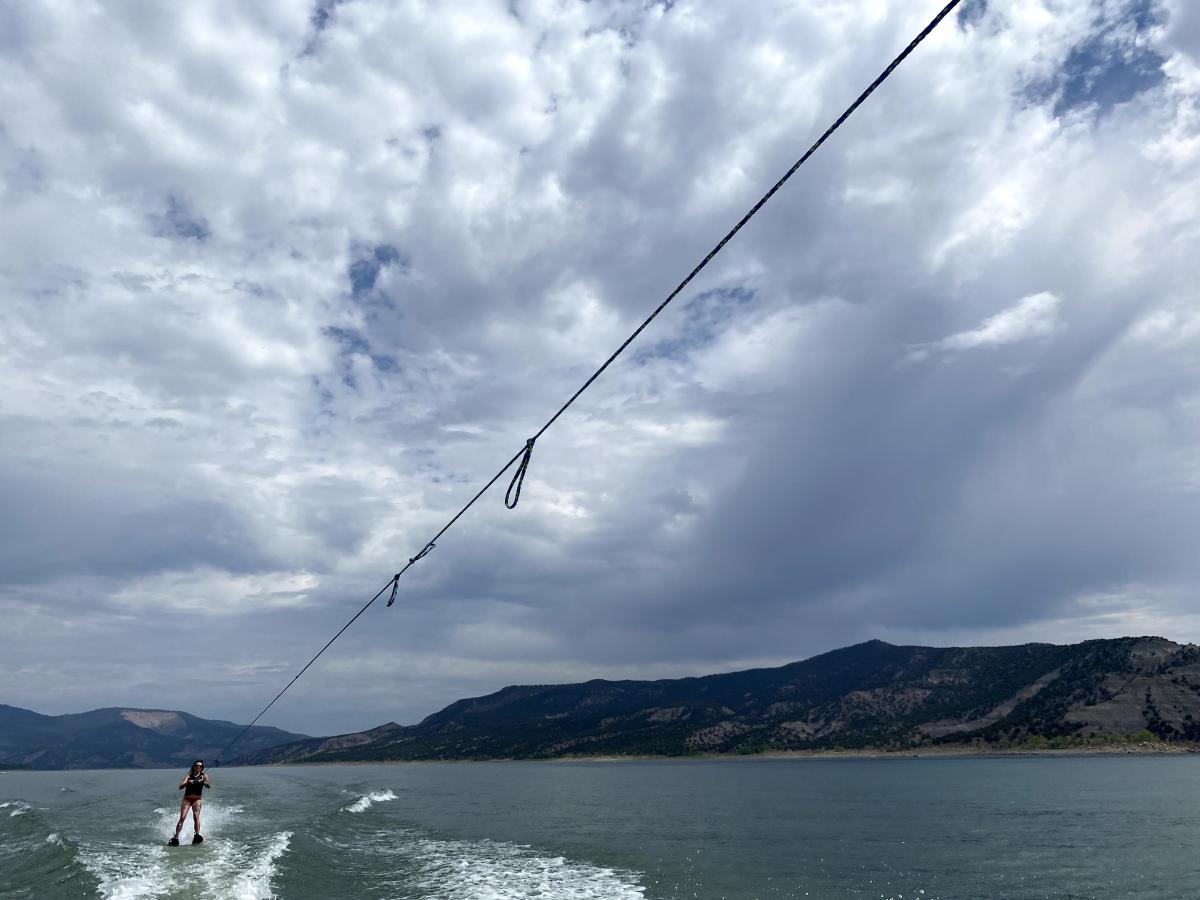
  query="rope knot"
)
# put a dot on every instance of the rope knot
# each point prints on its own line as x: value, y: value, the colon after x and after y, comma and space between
x: 513, y: 495
x: 395, y: 584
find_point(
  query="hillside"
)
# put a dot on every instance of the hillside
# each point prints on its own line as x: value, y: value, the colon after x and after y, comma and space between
x: 869, y: 695
x: 120, y: 738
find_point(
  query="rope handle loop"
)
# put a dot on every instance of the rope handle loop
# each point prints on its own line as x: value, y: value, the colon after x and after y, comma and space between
x: 513, y: 495
x: 395, y: 584
x: 425, y: 551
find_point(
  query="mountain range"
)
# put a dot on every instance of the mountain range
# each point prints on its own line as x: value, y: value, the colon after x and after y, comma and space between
x: 871, y: 695
x: 121, y: 738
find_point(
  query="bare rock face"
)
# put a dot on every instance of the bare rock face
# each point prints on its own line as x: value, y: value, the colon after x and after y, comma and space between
x: 716, y: 735
x: 159, y: 720
x: 869, y: 695
x: 1161, y: 699
x: 946, y: 727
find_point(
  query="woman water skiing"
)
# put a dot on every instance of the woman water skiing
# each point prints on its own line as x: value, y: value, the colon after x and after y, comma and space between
x: 192, y: 785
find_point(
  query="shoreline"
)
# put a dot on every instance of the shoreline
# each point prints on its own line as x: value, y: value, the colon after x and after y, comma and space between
x: 1140, y: 749
x: 1143, y: 749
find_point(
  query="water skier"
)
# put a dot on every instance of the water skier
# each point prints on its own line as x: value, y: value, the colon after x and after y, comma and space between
x: 192, y: 785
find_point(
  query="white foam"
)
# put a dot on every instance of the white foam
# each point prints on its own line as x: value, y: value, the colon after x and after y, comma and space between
x: 128, y: 873
x: 133, y: 872
x: 224, y: 867
x: 213, y: 818
x: 21, y: 808
x: 486, y: 870
x: 366, y: 801
x: 254, y: 883
x: 239, y: 871
x: 53, y: 838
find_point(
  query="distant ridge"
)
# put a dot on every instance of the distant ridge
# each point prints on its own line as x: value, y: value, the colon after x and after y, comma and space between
x: 870, y: 695
x: 119, y: 737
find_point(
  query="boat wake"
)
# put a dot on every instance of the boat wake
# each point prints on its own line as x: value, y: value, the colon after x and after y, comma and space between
x: 245, y: 871
x: 487, y: 870
x: 230, y: 866
x: 366, y: 801
x: 321, y: 857
x: 420, y: 865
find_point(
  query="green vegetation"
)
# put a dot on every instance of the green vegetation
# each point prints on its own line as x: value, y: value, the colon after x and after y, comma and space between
x: 1079, y: 741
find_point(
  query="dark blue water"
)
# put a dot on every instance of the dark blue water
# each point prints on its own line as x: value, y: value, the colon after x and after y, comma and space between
x: 1062, y: 827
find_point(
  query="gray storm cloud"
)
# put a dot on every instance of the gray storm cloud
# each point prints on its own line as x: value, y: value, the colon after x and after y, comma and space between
x: 282, y: 284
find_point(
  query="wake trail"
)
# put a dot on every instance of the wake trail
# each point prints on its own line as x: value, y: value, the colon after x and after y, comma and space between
x: 366, y: 801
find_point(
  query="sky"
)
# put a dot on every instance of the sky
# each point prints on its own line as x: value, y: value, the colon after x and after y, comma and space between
x: 282, y: 285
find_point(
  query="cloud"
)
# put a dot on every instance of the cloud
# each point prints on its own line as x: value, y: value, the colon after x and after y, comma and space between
x: 1035, y: 316
x: 281, y: 285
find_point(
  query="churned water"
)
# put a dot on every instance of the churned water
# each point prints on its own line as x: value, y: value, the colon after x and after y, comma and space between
x: 919, y: 829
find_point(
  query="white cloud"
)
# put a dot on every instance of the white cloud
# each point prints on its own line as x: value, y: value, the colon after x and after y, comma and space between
x: 273, y: 302
x: 208, y: 592
x: 1035, y: 316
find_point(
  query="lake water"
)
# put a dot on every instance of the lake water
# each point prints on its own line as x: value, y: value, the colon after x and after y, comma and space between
x: 919, y: 829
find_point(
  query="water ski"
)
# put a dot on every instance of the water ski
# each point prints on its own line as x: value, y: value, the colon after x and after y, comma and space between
x: 198, y: 839
x: 173, y: 842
